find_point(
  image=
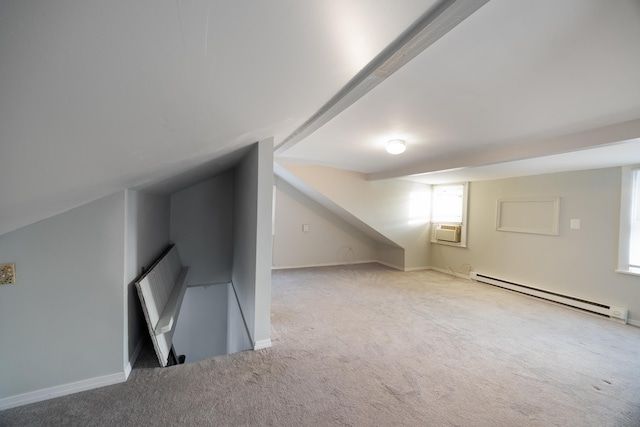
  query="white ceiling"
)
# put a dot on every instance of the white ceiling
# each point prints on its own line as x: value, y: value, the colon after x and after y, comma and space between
x: 96, y: 97
x: 515, y: 72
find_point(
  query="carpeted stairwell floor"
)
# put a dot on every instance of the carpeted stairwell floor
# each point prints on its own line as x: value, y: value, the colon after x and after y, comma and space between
x: 364, y: 345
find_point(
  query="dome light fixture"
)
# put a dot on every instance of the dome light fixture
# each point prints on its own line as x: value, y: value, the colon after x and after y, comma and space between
x: 396, y: 146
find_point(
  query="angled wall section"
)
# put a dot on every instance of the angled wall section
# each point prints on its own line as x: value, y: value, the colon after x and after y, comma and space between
x: 329, y: 239
x: 381, y: 209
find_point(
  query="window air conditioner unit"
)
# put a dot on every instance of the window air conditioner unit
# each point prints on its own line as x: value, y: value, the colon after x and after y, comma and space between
x: 448, y: 233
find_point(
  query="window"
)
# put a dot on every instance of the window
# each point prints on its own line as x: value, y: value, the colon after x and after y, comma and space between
x: 629, y: 250
x: 448, y: 203
x: 449, y: 214
x: 634, y: 241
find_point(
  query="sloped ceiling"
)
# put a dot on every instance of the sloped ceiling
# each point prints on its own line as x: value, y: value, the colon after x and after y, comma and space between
x: 96, y: 97
x: 99, y: 96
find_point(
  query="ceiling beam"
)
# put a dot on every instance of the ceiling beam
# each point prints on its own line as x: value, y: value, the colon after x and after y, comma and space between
x: 431, y: 26
x: 584, y: 140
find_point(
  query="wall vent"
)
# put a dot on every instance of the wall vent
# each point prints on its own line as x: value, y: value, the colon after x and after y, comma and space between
x: 593, y: 307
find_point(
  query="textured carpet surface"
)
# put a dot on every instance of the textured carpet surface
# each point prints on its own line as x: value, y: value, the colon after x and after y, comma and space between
x: 365, y: 345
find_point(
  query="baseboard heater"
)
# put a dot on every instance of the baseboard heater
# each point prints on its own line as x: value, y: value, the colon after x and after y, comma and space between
x: 593, y: 307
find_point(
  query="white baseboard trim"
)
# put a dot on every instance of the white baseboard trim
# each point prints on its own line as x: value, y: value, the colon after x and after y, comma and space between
x: 335, y: 264
x: 450, y: 273
x: 132, y: 359
x: 61, y: 390
x: 633, y: 322
x: 129, y: 368
x: 327, y: 264
x: 426, y: 267
x: 259, y: 345
x: 386, y: 264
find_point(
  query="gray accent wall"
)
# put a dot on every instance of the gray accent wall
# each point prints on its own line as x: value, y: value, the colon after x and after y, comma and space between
x: 579, y: 263
x: 252, y: 226
x: 237, y: 335
x: 222, y: 228
x: 202, y: 229
x: 63, y: 319
x: 210, y: 324
x: 72, y: 321
x: 201, y: 331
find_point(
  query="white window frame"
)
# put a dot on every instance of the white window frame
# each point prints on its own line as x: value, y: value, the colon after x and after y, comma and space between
x: 626, y: 218
x: 463, y: 224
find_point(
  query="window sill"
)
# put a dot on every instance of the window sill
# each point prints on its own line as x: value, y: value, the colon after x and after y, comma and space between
x: 456, y: 245
x: 629, y: 272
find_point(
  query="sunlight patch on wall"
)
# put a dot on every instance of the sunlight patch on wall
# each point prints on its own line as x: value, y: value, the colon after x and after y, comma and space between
x: 419, y: 207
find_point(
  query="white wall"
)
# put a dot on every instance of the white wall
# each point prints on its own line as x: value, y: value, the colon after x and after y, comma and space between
x: 63, y: 319
x: 580, y: 262
x: 252, y: 238
x: 146, y: 238
x: 384, y: 205
x: 201, y: 228
x: 330, y: 239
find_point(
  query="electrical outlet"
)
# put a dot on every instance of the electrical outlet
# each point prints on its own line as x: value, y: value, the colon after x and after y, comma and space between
x: 7, y: 274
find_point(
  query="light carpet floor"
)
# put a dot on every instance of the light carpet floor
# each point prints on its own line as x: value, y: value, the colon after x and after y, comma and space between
x: 365, y: 345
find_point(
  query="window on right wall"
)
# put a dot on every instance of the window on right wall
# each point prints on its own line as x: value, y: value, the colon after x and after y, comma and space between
x: 629, y: 249
x: 449, y: 214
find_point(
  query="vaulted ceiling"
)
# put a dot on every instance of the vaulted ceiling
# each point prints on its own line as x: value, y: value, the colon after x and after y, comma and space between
x: 96, y: 96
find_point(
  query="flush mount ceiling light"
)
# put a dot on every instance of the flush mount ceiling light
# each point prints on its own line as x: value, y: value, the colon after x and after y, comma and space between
x: 396, y: 146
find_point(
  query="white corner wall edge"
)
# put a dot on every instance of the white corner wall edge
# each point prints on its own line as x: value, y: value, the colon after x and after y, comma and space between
x: 61, y: 390
x: 132, y: 359
x: 259, y: 345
